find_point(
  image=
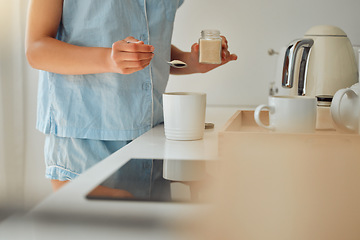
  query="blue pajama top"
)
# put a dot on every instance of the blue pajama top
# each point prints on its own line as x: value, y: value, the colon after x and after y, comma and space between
x: 108, y: 106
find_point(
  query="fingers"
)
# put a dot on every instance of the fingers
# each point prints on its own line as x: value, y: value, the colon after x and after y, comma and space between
x: 131, y: 39
x: 195, y: 48
x: 195, y: 52
x: 134, y: 56
x: 227, y: 57
x: 224, y: 42
x: 225, y: 54
x: 130, y: 55
x: 134, y: 67
x: 133, y: 64
x: 132, y: 46
x: 233, y: 57
x: 126, y: 66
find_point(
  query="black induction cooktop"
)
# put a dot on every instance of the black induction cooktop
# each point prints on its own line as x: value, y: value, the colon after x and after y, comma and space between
x: 182, y: 181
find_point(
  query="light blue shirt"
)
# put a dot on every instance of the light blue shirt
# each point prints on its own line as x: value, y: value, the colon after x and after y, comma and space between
x: 108, y: 106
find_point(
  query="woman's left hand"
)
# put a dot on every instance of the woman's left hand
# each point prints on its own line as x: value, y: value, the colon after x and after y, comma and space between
x: 226, y: 57
x: 192, y: 59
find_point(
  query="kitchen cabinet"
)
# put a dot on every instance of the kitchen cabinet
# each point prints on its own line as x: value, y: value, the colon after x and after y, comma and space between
x: 288, y: 186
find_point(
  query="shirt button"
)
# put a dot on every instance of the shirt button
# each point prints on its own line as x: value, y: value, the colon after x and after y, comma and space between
x: 146, y: 86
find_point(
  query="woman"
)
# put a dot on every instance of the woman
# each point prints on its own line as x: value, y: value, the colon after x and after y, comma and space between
x: 102, y: 75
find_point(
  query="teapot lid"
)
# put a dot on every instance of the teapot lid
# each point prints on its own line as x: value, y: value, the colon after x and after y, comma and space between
x: 325, y: 30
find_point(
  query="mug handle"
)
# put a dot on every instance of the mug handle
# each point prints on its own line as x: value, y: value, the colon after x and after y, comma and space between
x: 257, y: 116
x: 335, y: 108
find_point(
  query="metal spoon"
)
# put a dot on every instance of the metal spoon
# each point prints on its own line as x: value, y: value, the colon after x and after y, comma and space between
x: 177, y: 64
x: 173, y: 63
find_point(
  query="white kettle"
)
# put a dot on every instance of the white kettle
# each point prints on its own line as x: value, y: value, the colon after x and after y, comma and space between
x: 327, y: 62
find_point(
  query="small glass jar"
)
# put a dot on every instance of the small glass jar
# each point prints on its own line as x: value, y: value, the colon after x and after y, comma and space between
x: 210, y: 47
x: 323, y: 118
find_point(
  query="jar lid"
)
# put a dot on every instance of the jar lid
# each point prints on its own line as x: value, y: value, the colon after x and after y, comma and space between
x: 210, y: 33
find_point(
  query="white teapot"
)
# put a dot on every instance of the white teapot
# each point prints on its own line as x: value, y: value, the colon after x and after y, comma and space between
x: 345, y: 108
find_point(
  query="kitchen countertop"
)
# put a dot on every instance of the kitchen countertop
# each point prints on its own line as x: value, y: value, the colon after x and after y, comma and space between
x: 67, y: 213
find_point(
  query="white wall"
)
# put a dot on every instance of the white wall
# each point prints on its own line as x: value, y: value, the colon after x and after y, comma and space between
x: 36, y: 186
x: 23, y: 153
x: 252, y: 27
x: 11, y: 97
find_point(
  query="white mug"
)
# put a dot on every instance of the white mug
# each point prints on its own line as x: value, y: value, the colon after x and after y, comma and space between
x: 184, y: 115
x: 289, y: 114
x: 345, y: 108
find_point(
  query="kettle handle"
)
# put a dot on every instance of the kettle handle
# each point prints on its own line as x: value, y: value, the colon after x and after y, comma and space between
x: 289, y: 63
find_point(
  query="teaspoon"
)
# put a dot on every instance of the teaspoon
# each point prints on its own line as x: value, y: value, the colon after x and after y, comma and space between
x: 173, y: 63
x: 177, y: 64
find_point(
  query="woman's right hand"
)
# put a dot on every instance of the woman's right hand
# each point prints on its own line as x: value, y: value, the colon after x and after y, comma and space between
x: 130, y: 55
